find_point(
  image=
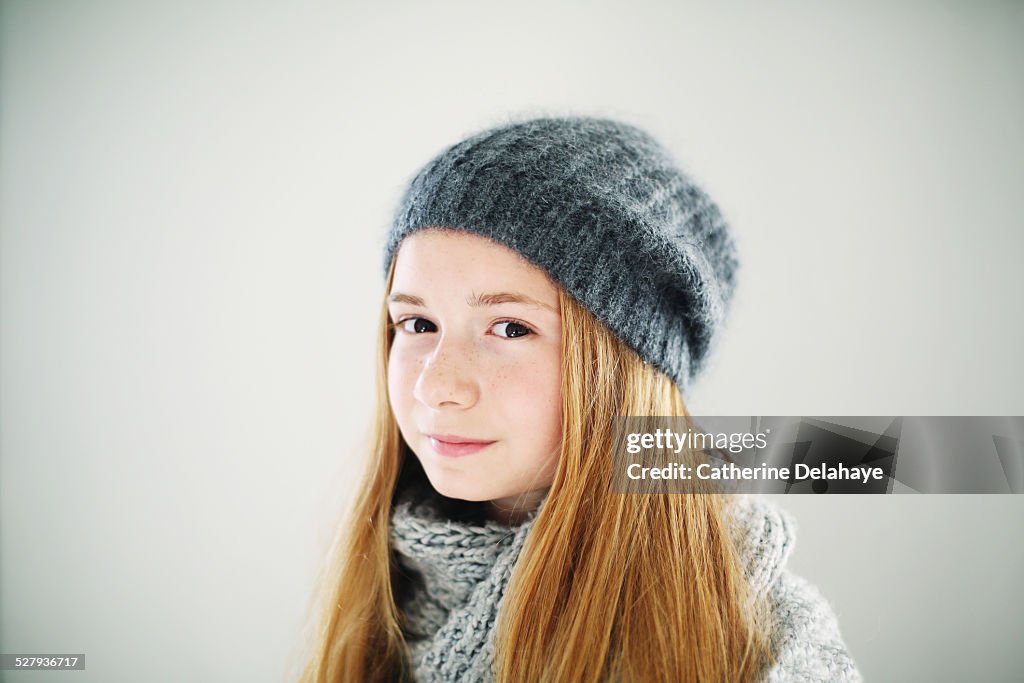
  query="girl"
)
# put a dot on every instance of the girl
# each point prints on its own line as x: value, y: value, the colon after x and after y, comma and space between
x: 542, y: 278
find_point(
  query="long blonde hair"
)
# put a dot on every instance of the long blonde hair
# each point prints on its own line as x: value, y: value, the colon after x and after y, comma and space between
x: 640, y: 587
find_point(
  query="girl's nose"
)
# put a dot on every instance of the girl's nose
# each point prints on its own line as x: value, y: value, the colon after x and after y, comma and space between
x: 447, y: 378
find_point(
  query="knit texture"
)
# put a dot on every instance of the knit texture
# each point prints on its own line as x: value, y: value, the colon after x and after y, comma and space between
x: 606, y: 212
x: 454, y: 575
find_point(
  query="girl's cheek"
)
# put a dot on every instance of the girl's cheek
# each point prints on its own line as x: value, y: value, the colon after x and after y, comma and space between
x: 397, y: 372
x: 403, y: 370
x: 526, y: 378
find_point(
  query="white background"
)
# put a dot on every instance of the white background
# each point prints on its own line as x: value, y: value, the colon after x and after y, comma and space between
x: 194, y: 198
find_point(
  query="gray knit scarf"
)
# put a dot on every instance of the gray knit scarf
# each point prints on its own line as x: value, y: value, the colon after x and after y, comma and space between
x: 453, y: 575
x: 456, y: 573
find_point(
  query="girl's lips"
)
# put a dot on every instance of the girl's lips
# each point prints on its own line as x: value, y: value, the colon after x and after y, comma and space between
x: 457, y: 447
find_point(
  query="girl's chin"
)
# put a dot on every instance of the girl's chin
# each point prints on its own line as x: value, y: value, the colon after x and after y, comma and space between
x: 459, y: 490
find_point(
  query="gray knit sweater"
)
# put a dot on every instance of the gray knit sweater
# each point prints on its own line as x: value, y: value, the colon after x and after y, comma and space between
x: 454, y: 575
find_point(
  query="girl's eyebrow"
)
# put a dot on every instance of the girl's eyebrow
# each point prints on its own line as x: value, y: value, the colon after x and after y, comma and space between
x: 489, y: 299
x: 399, y: 298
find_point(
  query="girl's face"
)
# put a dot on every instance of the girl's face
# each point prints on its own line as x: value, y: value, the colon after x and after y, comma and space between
x: 474, y: 375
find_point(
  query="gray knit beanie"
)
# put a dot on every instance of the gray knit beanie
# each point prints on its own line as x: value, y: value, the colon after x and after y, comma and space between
x: 604, y: 210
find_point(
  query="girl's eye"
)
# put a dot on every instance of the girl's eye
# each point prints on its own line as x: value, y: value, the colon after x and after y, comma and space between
x: 419, y: 325
x: 510, y: 329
